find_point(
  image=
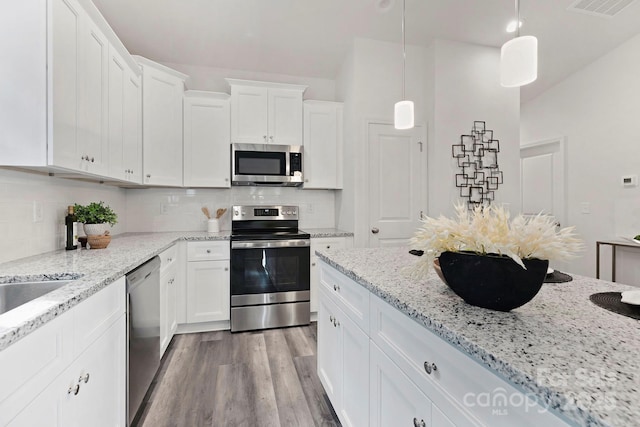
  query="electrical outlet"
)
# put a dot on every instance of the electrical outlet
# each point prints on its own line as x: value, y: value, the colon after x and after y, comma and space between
x: 38, y: 212
x: 585, y: 208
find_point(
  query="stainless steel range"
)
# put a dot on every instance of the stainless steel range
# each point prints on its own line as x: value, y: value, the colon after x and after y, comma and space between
x: 269, y: 268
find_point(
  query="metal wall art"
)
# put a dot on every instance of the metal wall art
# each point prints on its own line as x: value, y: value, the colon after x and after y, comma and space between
x: 477, y: 156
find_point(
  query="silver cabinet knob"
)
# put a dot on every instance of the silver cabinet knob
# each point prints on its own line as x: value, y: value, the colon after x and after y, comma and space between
x: 429, y: 367
x: 92, y: 160
x: 331, y: 319
x: 336, y: 288
x: 208, y: 251
x: 226, y: 180
x: 84, y: 378
x: 328, y: 246
x: 271, y: 138
x: 313, y: 264
x: 375, y: 230
x: 74, y: 389
x: 265, y: 138
x: 306, y: 180
x: 148, y: 176
x: 226, y: 269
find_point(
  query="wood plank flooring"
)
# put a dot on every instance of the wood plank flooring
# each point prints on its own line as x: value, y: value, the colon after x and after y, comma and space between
x: 258, y: 379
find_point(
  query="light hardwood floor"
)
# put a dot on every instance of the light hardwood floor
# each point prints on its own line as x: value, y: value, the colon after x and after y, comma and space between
x: 258, y: 379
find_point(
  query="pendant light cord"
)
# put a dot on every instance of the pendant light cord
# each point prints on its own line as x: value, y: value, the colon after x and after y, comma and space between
x: 517, y: 18
x: 404, y: 51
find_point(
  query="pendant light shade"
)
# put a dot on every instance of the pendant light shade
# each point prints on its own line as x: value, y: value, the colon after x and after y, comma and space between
x: 403, y: 115
x: 519, y: 61
x: 519, y: 58
x: 403, y: 110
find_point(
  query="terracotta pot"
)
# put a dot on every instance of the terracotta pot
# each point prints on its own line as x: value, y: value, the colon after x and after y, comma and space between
x: 492, y: 281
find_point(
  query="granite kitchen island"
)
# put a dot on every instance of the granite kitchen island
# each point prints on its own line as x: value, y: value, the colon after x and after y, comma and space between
x: 577, y: 360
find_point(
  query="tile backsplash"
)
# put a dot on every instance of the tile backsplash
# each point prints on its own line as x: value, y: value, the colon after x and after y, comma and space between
x: 166, y: 209
x: 33, y: 207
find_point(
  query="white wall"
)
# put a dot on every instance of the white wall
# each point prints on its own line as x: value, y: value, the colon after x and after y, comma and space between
x: 167, y: 209
x: 597, y: 109
x: 213, y: 79
x: 21, y: 236
x: 466, y: 88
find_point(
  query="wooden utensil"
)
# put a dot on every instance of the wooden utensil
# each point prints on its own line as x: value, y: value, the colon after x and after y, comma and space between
x: 220, y: 212
x: 205, y: 211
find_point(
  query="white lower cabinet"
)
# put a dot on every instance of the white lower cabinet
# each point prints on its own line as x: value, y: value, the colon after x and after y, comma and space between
x: 83, y: 382
x: 208, y: 292
x: 416, y: 378
x: 168, y: 295
x: 343, y: 362
x: 318, y: 243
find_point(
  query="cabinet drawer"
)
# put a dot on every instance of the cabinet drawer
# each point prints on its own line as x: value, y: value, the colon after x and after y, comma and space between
x: 95, y: 315
x: 168, y: 257
x: 352, y: 298
x: 457, y: 384
x: 327, y: 243
x: 29, y: 365
x: 208, y: 251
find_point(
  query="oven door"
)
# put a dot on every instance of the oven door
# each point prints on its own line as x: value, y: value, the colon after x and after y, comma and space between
x: 269, y: 271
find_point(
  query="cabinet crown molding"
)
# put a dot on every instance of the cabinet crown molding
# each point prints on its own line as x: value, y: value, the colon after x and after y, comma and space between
x: 273, y: 85
x: 144, y: 62
x: 206, y: 94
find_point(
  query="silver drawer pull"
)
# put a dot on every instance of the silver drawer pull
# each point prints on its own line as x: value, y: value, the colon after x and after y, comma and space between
x: 415, y: 422
x: 74, y: 389
x: 336, y: 288
x: 428, y: 367
x: 84, y: 378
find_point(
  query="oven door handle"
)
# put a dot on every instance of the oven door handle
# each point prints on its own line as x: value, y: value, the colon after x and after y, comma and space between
x: 268, y: 244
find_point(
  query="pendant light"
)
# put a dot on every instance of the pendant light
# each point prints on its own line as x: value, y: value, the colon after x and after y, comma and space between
x: 519, y: 58
x: 403, y: 110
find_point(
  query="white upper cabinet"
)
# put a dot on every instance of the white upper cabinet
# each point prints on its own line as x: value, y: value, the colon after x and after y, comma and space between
x: 125, y: 121
x: 323, y: 144
x: 207, y: 139
x: 266, y: 113
x: 60, y: 112
x: 162, y: 92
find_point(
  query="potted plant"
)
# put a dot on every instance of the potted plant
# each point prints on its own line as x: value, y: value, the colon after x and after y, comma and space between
x: 490, y: 260
x: 97, y: 218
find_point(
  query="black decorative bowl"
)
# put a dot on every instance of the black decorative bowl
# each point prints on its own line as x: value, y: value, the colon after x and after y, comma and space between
x: 492, y: 281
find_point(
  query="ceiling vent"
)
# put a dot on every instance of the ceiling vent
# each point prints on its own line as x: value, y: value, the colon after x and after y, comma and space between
x: 603, y: 8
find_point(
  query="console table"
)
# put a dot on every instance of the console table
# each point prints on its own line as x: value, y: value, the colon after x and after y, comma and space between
x: 614, y: 245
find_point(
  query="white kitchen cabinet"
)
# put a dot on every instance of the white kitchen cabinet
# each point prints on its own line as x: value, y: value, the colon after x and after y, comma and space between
x: 394, y: 399
x: 55, y: 115
x: 168, y: 295
x: 266, y: 113
x: 323, y: 144
x: 318, y: 243
x: 207, y: 139
x: 125, y: 127
x: 72, y: 370
x: 162, y: 93
x: 208, y: 283
x: 343, y: 362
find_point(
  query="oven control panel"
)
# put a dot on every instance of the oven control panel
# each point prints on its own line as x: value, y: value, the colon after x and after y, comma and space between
x: 248, y: 213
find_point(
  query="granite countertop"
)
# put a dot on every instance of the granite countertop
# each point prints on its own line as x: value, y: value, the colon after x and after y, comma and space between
x: 92, y: 269
x: 327, y: 232
x: 579, y: 359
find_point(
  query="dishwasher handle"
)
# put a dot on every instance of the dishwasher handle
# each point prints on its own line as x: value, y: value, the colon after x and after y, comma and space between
x: 140, y: 274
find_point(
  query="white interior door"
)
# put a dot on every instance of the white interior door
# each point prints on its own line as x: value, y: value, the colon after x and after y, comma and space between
x: 543, y: 179
x: 397, y: 183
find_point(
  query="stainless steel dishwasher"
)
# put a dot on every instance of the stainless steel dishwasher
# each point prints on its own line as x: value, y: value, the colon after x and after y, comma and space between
x: 143, y: 332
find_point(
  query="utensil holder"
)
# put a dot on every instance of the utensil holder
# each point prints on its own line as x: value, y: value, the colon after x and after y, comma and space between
x: 213, y: 225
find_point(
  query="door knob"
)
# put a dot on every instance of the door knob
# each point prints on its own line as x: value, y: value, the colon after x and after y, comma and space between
x: 375, y: 230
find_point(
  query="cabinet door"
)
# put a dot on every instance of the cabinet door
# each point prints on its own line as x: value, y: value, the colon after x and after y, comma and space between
x: 329, y: 350
x: 64, y: 89
x: 100, y: 374
x: 249, y: 114
x: 47, y: 409
x: 132, y: 127
x: 117, y: 76
x: 285, y: 117
x: 167, y: 307
x: 322, y: 145
x: 394, y: 399
x: 162, y: 128
x: 208, y: 293
x: 207, y: 138
x: 354, y: 408
x: 93, y: 71
x: 313, y: 283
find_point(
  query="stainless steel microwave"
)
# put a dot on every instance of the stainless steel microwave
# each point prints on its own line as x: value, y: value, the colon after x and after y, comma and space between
x: 266, y: 164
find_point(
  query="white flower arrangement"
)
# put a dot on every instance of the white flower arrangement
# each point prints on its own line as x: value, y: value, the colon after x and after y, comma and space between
x: 488, y: 230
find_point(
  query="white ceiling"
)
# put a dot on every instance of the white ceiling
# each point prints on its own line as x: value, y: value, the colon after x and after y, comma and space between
x: 311, y: 37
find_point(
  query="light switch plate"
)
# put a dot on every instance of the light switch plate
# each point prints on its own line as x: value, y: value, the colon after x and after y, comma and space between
x: 38, y: 212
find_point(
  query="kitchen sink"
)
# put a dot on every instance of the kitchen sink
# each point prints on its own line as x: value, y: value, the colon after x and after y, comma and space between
x: 13, y: 295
